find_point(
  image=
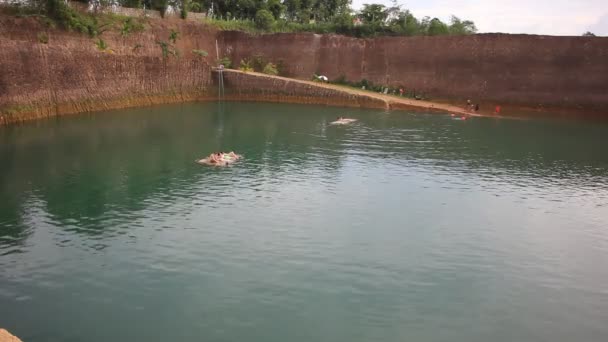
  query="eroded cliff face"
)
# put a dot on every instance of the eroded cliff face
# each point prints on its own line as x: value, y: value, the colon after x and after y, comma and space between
x: 535, y: 71
x: 71, y: 74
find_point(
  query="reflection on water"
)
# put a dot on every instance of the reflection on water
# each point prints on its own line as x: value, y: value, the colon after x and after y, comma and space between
x: 398, y: 227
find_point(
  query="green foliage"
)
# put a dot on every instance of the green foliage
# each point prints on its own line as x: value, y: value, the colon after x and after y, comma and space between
x: 374, y: 14
x: 343, y: 23
x: 70, y: 19
x: 201, y: 53
x: 257, y: 63
x: 276, y: 8
x: 131, y: 25
x: 173, y: 36
x: 43, y: 38
x: 167, y: 49
x: 226, y: 62
x: 101, y: 44
x: 245, y: 65
x: 280, y: 67
x: 460, y: 27
x: 270, y: 69
x: 588, y: 34
x: 398, y: 23
x: 267, y: 16
x: 437, y: 28
x: 164, y: 46
x: 264, y: 19
x: 232, y: 25
x: 185, y: 7
x: 196, y: 7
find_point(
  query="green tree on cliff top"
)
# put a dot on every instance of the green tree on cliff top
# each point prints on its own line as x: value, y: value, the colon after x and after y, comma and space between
x: 329, y: 16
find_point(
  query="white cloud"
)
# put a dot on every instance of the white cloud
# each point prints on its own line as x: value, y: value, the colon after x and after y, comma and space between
x: 600, y: 28
x: 554, y: 17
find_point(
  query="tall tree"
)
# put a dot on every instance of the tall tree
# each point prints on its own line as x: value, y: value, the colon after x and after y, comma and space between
x: 373, y: 13
x: 460, y: 27
x: 437, y: 28
x: 276, y: 8
x: 405, y: 23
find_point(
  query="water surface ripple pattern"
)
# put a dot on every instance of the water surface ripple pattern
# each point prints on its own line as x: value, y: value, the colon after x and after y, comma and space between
x: 399, y: 227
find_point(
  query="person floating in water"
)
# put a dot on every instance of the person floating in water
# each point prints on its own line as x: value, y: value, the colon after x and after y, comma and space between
x: 220, y: 159
x: 340, y: 120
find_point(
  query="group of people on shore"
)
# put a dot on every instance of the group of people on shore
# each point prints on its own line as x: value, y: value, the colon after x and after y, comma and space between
x: 472, y: 107
x: 475, y: 108
x: 220, y: 159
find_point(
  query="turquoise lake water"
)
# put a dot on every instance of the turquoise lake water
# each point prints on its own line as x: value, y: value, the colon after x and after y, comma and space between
x: 399, y: 227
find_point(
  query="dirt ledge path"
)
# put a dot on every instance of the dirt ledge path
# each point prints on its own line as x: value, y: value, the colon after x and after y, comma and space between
x: 392, y: 102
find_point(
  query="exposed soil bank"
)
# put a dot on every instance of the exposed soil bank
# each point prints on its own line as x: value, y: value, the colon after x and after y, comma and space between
x: 540, y: 72
x: 70, y: 74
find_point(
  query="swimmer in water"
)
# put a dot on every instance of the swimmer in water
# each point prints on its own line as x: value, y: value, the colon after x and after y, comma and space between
x: 219, y: 159
x: 214, y: 158
x: 342, y: 121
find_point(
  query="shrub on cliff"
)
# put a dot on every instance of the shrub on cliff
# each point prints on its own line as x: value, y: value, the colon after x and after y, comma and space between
x: 245, y: 65
x: 264, y: 19
x: 167, y: 49
x: 68, y: 18
x: 270, y: 69
x: 131, y: 25
x: 43, y: 38
x: 101, y: 44
x: 200, y: 53
x: 226, y: 62
x: 173, y: 35
x: 258, y: 63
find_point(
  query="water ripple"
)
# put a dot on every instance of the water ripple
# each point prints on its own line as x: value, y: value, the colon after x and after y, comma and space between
x: 400, y: 227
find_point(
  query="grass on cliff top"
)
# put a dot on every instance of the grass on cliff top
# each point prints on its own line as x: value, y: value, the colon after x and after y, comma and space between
x: 283, y: 26
x: 57, y: 14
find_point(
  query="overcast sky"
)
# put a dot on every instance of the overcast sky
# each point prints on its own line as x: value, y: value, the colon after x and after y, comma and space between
x: 553, y: 17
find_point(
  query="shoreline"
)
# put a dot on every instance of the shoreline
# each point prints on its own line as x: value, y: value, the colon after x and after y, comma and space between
x: 255, y: 87
x: 242, y: 86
